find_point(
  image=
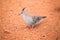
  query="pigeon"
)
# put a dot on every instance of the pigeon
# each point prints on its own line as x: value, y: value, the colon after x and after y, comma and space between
x: 30, y: 19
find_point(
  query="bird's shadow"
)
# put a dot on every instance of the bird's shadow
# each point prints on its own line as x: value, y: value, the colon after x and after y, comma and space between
x: 39, y: 24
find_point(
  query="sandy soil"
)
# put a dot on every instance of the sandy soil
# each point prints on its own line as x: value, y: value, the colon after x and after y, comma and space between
x: 13, y: 27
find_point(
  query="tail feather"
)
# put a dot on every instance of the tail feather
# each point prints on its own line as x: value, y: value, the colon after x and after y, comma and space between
x: 44, y: 16
x: 41, y: 17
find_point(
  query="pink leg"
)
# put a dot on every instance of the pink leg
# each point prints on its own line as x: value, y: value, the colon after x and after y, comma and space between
x: 31, y: 26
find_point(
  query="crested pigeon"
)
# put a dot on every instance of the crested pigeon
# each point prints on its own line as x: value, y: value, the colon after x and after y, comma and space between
x: 30, y: 19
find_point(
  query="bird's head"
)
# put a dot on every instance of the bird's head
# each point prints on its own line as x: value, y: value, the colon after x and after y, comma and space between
x: 22, y: 11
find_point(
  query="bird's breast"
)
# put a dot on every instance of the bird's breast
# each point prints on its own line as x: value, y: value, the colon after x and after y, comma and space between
x: 28, y: 19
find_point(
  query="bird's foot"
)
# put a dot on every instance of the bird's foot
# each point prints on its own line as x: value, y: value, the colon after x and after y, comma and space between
x: 31, y: 26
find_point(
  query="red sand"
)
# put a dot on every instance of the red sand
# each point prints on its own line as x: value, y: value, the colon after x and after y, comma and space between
x: 13, y: 26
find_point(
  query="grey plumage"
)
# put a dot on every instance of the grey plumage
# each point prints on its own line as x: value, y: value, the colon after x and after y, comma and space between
x: 31, y: 19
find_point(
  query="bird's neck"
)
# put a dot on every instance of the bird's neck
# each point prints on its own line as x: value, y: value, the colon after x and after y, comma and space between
x: 24, y: 14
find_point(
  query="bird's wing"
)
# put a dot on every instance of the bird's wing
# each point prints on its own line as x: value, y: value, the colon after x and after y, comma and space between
x: 35, y: 18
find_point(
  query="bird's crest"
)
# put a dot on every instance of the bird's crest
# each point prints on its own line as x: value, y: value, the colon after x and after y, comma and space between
x: 23, y: 8
x: 22, y: 11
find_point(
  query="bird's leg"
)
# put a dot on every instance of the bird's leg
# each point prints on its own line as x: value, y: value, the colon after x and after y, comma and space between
x: 32, y: 26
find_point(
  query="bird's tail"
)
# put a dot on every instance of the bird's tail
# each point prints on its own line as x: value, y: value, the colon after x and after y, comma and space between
x: 43, y: 16
x: 40, y: 17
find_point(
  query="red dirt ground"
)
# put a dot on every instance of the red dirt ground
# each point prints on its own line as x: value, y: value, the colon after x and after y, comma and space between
x: 12, y: 25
